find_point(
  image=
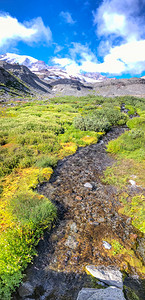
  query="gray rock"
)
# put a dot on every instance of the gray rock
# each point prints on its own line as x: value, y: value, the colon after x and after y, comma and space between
x: 88, y: 185
x: 141, y: 248
x: 111, y: 293
x: 26, y: 289
x: 71, y: 242
x: 73, y: 227
x: 108, y: 275
x: 107, y: 245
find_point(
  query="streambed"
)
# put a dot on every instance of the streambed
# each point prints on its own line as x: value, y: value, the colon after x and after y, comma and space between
x: 88, y: 217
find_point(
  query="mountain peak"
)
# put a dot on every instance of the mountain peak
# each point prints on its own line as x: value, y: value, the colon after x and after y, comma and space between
x: 20, y: 59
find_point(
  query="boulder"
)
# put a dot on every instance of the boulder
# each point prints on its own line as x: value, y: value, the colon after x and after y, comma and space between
x: 110, y: 293
x: 26, y: 289
x: 109, y: 275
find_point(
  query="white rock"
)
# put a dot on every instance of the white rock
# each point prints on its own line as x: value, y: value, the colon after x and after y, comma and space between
x: 132, y: 182
x: 107, y: 245
x: 111, y: 293
x: 108, y: 275
x: 88, y: 185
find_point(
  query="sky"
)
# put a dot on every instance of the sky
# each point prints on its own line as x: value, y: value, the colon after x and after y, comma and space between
x: 105, y: 36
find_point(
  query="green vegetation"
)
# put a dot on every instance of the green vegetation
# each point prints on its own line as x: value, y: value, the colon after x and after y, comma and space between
x: 130, y: 294
x: 34, y: 135
x: 129, y: 149
x: 117, y: 247
x: 100, y: 119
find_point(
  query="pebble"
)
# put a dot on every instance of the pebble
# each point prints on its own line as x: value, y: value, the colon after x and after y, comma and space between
x: 132, y: 182
x: 88, y: 185
x: 79, y: 198
x: 106, y: 245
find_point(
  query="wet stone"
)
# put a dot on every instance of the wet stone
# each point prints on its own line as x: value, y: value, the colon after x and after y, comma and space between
x: 26, y: 289
x: 110, y: 293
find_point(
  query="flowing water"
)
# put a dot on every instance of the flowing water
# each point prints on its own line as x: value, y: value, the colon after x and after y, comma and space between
x: 87, y: 216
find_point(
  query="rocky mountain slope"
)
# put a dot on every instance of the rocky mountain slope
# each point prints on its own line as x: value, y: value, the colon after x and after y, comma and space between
x: 10, y: 83
x: 21, y: 79
x: 24, y: 74
x: 38, y: 78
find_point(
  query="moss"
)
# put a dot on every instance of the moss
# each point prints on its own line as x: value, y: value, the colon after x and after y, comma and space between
x: 129, y: 293
x: 136, y: 210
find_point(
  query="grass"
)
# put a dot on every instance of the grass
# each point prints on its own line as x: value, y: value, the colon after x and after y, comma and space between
x: 129, y: 150
x: 34, y: 135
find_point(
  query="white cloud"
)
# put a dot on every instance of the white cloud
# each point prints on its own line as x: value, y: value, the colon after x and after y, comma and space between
x: 11, y: 30
x: 68, y: 64
x: 82, y: 59
x: 58, y: 48
x: 120, y: 59
x: 62, y: 61
x: 81, y: 53
x: 121, y: 26
x: 127, y: 58
x: 67, y: 17
x: 121, y: 18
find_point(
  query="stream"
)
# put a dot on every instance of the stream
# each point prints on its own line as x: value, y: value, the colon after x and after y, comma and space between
x: 87, y: 216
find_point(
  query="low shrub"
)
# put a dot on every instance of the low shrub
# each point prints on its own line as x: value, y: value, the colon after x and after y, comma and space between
x: 31, y: 213
x: 91, y: 123
x: 45, y: 161
x: 100, y: 119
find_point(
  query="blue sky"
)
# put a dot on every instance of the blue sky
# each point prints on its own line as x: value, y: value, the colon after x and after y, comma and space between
x: 106, y: 36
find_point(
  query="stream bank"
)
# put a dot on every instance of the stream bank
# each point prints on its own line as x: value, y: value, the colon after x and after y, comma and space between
x: 88, y: 217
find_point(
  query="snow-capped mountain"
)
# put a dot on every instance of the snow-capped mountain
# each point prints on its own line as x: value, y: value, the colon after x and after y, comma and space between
x: 48, y: 73
x: 20, y: 59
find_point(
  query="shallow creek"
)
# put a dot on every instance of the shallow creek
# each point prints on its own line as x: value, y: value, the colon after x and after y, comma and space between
x: 87, y: 217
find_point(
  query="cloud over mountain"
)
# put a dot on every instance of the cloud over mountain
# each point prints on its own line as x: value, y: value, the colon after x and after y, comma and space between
x: 13, y: 31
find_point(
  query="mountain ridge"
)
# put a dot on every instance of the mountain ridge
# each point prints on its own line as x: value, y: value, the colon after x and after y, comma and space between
x: 46, y: 72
